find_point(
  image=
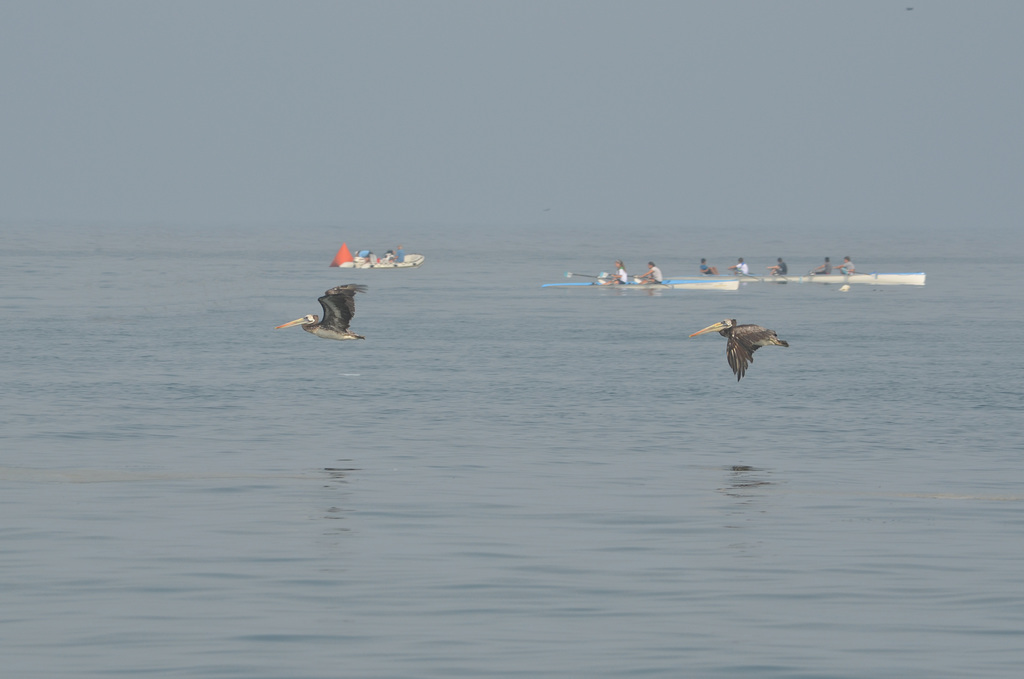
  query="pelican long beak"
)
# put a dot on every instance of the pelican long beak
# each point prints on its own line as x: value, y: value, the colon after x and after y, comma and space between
x: 297, y: 321
x: 711, y: 328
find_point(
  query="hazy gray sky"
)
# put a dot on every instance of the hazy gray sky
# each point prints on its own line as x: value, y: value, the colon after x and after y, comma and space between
x: 731, y: 112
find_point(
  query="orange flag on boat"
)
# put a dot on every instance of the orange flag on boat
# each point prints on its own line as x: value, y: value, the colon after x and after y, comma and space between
x: 343, y: 256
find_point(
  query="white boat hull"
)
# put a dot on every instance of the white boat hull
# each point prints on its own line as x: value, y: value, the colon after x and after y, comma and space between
x: 668, y: 284
x: 838, y: 279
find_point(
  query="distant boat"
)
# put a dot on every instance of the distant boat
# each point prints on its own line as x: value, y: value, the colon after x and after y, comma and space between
x: 838, y: 278
x: 667, y: 284
x: 367, y: 259
x: 364, y: 259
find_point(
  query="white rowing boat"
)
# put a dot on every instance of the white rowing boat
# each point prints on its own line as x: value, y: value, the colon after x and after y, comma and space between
x: 709, y: 283
x: 838, y: 279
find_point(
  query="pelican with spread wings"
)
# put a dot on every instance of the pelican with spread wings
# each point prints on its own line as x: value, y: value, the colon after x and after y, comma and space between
x: 744, y: 340
x: 339, y: 306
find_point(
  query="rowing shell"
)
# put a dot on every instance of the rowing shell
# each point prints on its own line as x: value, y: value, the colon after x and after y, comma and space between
x: 726, y: 283
x: 838, y: 279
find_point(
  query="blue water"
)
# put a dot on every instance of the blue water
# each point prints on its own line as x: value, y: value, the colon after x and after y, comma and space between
x: 503, y: 480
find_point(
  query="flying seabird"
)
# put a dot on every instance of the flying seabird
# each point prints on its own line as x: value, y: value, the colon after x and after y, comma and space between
x: 744, y: 340
x: 339, y: 306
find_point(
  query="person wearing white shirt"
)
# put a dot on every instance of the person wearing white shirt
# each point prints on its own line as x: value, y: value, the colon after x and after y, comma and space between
x: 740, y: 267
x: 621, y: 277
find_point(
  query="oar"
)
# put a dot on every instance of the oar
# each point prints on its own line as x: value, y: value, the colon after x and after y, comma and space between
x: 570, y: 274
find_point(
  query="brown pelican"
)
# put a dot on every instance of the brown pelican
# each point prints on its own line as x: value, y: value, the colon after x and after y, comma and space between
x: 339, y: 306
x: 744, y: 340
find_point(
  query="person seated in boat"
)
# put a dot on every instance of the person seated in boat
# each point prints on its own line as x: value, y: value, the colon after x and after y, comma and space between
x: 823, y: 270
x: 399, y: 254
x: 846, y: 268
x: 740, y: 268
x: 706, y: 269
x: 620, y: 277
x: 389, y: 257
x: 653, y: 275
x: 779, y: 269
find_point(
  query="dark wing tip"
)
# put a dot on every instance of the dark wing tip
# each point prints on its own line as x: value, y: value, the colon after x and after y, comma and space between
x: 739, y: 357
x: 350, y: 288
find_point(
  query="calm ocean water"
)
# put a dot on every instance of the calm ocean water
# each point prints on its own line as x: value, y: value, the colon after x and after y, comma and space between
x: 503, y: 480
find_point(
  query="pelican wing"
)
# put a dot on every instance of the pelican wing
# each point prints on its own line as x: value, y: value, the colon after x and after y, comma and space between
x: 744, y: 341
x: 739, y: 356
x: 339, y: 306
x: 755, y: 336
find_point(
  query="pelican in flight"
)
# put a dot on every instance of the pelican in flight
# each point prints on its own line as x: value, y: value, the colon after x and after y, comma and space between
x: 744, y: 340
x: 339, y: 306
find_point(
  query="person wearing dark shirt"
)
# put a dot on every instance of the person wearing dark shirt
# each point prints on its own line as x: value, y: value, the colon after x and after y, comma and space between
x: 824, y: 269
x: 779, y: 269
x: 706, y: 269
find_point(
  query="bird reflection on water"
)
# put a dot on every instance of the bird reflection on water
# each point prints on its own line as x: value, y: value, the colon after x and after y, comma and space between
x: 744, y: 479
x: 337, y: 480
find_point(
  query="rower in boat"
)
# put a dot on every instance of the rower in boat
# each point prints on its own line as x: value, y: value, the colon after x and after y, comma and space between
x: 339, y: 305
x: 779, y: 269
x: 744, y: 340
x: 620, y: 277
x: 740, y: 268
x: 823, y: 270
x: 706, y: 269
x: 653, y: 275
x: 847, y: 267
